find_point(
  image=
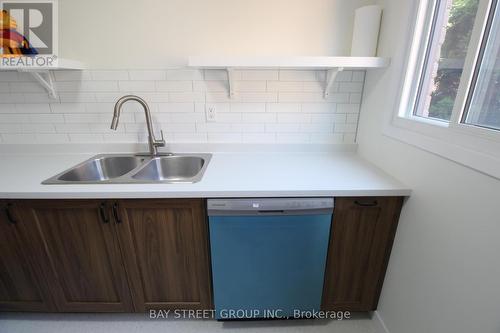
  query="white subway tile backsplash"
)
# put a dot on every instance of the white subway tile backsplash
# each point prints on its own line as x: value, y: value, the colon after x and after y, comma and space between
x: 9, y: 77
x: 179, y: 86
x: 14, y: 118
x: 283, y: 128
x: 284, y: 106
x: 52, y: 138
x: 327, y: 138
x: 259, y: 117
x: 26, y: 87
x: 72, y: 76
x: 148, y: 75
x: 190, y: 137
x: 32, y: 108
x: 136, y: 86
x: 7, y: 108
x: 297, y: 75
x: 8, y: 98
x: 72, y: 128
x: 255, y: 97
x: 180, y: 97
x: 185, y: 75
x: 259, y: 137
x: 297, y: 97
x: 248, y: 107
x: 225, y: 137
x: 319, y: 108
x: 351, y: 87
x: 251, y: 86
x: 109, y: 75
x: 212, y: 86
x: 293, y: 118
x: 293, y: 137
x: 258, y: 75
x: 358, y: 76
x: 79, y: 97
x: 355, y: 98
x: 47, y: 118
x: 176, y: 107
x: 42, y: 97
x: 348, y: 108
x: 67, y: 108
x: 297, y: 86
x: 86, y: 138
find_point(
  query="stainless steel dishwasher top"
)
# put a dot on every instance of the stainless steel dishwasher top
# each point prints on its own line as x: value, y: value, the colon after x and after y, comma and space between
x: 270, y: 206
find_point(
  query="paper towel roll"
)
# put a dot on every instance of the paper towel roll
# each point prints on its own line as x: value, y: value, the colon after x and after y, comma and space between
x: 366, y: 29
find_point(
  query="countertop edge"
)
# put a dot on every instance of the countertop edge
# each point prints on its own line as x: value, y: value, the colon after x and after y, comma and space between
x: 204, y: 194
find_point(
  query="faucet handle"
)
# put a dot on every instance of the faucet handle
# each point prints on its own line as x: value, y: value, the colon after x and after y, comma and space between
x: 161, y: 142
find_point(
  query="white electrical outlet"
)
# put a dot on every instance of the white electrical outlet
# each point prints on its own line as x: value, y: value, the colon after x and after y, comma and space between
x: 211, y: 113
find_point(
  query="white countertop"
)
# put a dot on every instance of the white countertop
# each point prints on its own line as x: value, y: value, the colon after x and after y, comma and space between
x: 248, y: 174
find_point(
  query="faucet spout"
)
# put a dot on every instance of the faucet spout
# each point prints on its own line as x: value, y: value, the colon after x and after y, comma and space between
x: 153, y: 142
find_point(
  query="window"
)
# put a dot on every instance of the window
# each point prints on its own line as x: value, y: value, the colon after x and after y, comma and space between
x: 454, y: 70
x: 484, y: 107
x: 450, y: 92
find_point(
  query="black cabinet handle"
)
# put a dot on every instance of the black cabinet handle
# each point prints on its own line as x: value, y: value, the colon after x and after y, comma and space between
x: 116, y: 214
x: 102, y: 213
x: 10, y: 217
x: 366, y: 204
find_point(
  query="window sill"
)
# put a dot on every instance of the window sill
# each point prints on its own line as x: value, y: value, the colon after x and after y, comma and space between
x: 456, y: 144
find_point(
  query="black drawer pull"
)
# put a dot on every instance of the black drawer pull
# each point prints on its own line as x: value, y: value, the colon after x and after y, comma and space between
x: 116, y: 214
x: 10, y: 217
x: 102, y: 213
x: 366, y: 204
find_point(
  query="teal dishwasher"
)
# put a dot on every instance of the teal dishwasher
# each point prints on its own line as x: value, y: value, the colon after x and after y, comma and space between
x: 268, y: 256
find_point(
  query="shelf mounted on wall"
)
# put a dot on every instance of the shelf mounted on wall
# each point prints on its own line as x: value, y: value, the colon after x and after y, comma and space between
x: 45, y: 75
x: 332, y: 65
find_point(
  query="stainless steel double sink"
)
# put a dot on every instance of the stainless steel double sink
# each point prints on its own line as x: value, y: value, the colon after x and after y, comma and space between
x: 135, y: 168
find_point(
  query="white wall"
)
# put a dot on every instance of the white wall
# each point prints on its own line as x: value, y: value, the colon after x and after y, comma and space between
x: 159, y: 33
x: 444, y: 272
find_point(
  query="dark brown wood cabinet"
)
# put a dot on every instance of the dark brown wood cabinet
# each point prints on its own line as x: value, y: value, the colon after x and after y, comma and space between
x: 135, y: 255
x: 165, y: 249
x: 104, y: 255
x: 82, y: 259
x: 362, y: 234
x: 22, y: 286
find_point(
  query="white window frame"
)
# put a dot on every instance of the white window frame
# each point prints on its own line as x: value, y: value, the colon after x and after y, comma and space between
x: 469, y: 145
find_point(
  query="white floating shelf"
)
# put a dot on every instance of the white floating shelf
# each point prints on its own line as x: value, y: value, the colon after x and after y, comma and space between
x: 333, y: 65
x: 44, y: 74
x: 289, y: 62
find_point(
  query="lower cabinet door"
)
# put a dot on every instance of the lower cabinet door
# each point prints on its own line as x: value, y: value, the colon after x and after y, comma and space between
x: 22, y: 288
x: 83, y: 261
x: 165, y: 248
x: 361, y: 240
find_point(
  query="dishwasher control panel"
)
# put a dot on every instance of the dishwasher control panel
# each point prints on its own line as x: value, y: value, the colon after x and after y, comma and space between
x: 253, y: 206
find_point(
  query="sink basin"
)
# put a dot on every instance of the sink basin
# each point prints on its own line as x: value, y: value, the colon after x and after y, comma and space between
x: 135, y: 169
x: 102, y: 168
x: 182, y: 169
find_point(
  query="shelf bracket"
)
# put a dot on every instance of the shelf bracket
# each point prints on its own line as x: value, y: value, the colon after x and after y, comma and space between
x: 230, y: 78
x: 331, y: 75
x: 46, y: 80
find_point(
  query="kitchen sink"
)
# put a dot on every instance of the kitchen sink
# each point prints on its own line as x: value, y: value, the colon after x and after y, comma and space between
x: 102, y: 168
x: 129, y: 169
x: 171, y: 168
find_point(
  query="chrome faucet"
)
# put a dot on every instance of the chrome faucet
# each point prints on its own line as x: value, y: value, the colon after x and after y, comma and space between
x: 153, y: 142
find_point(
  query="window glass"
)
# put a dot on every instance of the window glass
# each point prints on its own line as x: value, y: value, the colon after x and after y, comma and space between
x: 445, y: 58
x: 484, y: 109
